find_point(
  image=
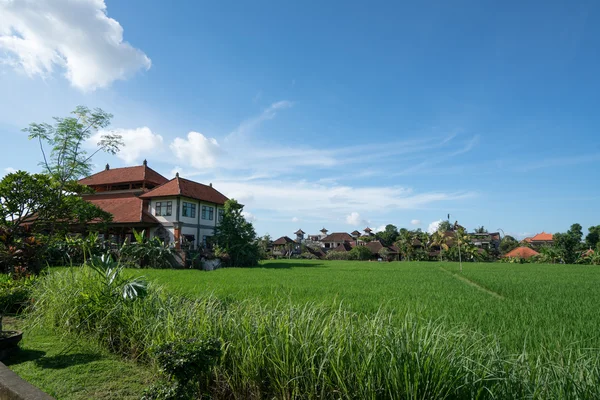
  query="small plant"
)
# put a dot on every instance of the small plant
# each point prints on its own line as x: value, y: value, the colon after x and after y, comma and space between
x: 184, y: 363
x: 144, y: 252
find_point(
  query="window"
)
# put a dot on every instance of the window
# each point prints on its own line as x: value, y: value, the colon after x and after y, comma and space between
x: 208, y: 212
x: 221, y: 214
x: 188, y: 210
x: 163, y: 208
x: 204, y: 241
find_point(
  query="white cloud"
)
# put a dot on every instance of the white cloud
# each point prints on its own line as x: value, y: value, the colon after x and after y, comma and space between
x: 433, y: 227
x: 138, y: 143
x: 380, y: 228
x: 197, y: 150
x: 9, y: 170
x: 250, y: 124
x: 249, y: 216
x: 295, y: 219
x: 77, y: 36
x: 415, y: 222
x: 353, y: 219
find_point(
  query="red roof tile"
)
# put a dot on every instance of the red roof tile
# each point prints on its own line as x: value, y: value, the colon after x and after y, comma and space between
x: 521, y: 252
x: 338, y: 237
x: 139, y: 173
x: 283, y: 241
x: 542, y: 237
x: 343, y: 247
x: 124, y: 207
x: 184, y: 187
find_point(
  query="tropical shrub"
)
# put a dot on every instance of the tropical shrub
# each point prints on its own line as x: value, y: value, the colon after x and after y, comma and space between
x: 146, y: 253
x: 185, y: 365
x: 360, y: 253
x: 15, y: 292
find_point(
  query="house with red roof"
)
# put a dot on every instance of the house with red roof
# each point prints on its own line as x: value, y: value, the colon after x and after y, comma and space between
x: 178, y: 211
x: 541, y: 239
x: 521, y: 252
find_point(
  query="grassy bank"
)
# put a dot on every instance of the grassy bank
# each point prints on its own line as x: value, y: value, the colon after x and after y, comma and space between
x: 75, y: 369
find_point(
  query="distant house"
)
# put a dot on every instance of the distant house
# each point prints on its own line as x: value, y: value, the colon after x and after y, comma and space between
x: 343, y: 247
x: 488, y: 241
x: 284, y: 246
x: 542, y: 239
x: 521, y: 252
x: 376, y: 246
x: 336, y: 239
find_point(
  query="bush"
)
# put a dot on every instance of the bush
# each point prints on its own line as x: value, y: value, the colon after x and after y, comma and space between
x: 308, y: 256
x: 337, y: 255
x: 185, y: 364
x: 360, y: 253
x: 15, y: 294
x: 146, y: 253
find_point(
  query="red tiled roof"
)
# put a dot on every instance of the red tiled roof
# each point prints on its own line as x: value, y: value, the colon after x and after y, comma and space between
x: 375, y: 246
x: 139, y: 173
x: 542, y: 237
x: 342, y: 247
x: 184, y: 187
x: 527, y: 239
x: 356, y: 233
x: 282, y: 241
x: 338, y: 237
x: 367, y: 229
x: 521, y: 252
x: 124, y: 207
x: 299, y: 232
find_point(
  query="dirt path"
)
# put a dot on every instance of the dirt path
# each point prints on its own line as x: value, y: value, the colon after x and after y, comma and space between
x: 474, y: 284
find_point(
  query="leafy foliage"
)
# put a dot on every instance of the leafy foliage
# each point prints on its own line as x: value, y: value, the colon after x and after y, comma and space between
x: 389, y: 235
x: 184, y: 363
x: 15, y: 292
x: 235, y: 238
x: 67, y: 160
x: 145, y: 252
x: 360, y: 253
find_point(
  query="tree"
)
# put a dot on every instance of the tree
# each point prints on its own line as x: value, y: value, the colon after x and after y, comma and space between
x: 593, y: 237
x: 508, y: 243
x: 568, y: 244
x: 23, y: 196
x: 481, y: 229
x: 444, y: 226
x: 67, y: 160
x: 235, y: 237
x: 389, y: 235
x: 360, y: 253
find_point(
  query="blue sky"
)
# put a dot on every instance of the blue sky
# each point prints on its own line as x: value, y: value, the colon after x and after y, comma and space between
x: 340, y: 115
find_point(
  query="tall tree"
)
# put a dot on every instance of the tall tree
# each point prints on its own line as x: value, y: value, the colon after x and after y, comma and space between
x: 508, y: 243
x: 569, y: 243
x: 235, y: 237
x: 67, y: 160
x: 389, y: 235
x: 593, y: 237
x: 444, y: 226
x: 481, y: 229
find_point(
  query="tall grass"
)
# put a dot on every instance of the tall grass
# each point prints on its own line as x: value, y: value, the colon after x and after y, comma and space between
x: 312, y: 351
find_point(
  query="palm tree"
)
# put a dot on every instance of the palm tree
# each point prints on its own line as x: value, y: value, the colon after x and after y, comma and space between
x: 481, y: 229
x: 439, y: 239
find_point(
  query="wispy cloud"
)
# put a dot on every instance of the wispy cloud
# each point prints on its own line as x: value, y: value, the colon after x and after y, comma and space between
x: 553, y: 162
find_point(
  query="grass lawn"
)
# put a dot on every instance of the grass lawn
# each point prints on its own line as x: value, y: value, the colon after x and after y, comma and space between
x: 550, y: 306
x: 75, y: 369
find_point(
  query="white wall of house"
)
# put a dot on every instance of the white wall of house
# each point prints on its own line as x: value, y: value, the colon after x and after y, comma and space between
x: 164, y: 218
x: 197, y: 226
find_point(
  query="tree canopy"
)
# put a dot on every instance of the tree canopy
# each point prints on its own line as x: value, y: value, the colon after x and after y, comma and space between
x: 235, y: 238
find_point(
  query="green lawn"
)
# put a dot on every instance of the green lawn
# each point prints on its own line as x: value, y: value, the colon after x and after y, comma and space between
x: 68, y: 369
x: 541, y: 305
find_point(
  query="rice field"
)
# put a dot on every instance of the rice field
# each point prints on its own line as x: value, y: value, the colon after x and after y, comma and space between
x: 351, y: 330
x: 529, y: 306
